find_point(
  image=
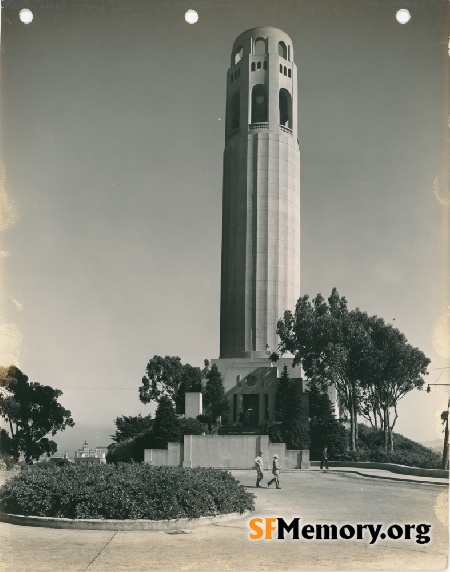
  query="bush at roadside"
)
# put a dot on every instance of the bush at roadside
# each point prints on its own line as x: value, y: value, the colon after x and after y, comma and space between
x: 423, y: 460
x: 123, y: 491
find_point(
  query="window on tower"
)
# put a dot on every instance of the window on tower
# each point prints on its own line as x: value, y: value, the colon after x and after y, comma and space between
x: 282, y: 50
x: 235, y: 111
x: 259, y: 104
x: 285, y: 107
x: 238, y: 55
x: 260, y: 47
x: 253, y: 66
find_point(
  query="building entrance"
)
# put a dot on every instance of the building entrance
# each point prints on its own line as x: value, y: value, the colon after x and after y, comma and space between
x: 250, y: 405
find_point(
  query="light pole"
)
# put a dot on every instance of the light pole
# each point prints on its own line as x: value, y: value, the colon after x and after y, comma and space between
x: 444, y: 417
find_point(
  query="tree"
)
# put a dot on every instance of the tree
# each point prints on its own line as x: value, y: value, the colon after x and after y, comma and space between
x: 32, y: 411
x: 169, y: 377
x: 370, y: 363
x: 324, y: 428
x: 390, y: 369
x: 165, y: 426
x: 328, y: 341
x: 215, y: 400
x: 291, y: 414
x: 282, y: 396
x: 131, y: 426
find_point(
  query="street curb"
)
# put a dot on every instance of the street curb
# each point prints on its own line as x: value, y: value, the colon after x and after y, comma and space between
x: 109, y: 524
x: 389, y: 478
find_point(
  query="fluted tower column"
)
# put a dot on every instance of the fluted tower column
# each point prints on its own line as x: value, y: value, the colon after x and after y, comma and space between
x: 261, y: 193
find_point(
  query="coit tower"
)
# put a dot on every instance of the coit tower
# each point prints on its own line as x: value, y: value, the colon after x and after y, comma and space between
x: 261, y: 194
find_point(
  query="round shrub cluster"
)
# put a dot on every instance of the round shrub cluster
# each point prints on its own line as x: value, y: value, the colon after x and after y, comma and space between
x: 123, y: 491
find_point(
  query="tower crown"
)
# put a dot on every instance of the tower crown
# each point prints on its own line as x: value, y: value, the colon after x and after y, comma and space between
x: 262, y: 40
x: 261, y: 84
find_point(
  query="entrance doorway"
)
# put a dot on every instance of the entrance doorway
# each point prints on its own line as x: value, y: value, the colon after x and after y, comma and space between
x: 250, y: 406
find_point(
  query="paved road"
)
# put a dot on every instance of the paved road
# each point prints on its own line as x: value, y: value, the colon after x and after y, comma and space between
x: 315, y: 497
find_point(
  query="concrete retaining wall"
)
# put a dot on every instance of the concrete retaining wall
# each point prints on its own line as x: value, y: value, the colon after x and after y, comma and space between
x: 226, y: 452
x: 401, y: 469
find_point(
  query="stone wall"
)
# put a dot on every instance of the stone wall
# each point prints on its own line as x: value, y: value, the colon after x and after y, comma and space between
x: 226, y: 452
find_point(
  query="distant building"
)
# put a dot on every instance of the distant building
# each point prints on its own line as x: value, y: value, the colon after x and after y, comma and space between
x: 85, y: 454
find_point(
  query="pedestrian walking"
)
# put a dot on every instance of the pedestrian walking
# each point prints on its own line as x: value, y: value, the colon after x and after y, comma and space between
x: 259, y: 468
x: 324, y: 460
x: 276, y: 472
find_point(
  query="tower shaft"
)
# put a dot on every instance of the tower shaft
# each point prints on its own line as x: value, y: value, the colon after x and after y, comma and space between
x: 261, y: 194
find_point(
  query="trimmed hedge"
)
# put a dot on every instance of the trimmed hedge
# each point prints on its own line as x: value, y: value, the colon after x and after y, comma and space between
x: 123, y: 491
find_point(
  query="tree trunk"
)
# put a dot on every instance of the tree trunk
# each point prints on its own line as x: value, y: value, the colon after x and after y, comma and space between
x: 386, y: 428
x: 353, y: 426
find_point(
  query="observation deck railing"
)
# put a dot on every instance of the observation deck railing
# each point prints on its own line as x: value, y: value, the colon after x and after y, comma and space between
x: 258, y: 126
x: 286, y: 129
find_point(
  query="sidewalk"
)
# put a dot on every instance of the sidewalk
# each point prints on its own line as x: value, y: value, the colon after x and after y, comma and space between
x: 382, y: 474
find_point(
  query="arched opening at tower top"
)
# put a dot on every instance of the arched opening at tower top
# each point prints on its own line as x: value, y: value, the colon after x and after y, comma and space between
x: 235, y: 111
x: 285, y: 107
x: 260, y: 47
x: 282, y: 50
x: 259, y: 104
x: 238, y: 55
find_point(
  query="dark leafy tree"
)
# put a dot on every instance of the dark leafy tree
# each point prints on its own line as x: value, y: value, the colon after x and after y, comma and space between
x: 189, y: 427
x: 166, y: 426
x: 328, y: 341
x: 215, y: 400
x: 391, y: 368
x: 282, y: 396
x: 324, y: 428
x: 128, y: 427
x: 370, y: 363
x: 32, y: 411
x: 291, y: 414
x: 167, y: 376
x: 7, y: 449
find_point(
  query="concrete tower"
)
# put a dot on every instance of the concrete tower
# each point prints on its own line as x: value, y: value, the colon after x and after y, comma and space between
x: 261, y: 194
x: 260, y: 220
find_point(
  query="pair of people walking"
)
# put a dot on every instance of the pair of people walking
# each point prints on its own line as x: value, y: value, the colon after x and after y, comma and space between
x: 259, y: 466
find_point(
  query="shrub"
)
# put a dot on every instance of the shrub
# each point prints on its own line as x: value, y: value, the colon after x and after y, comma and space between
x: 351, y: 456
x: 125, y: 491
x: 275, y: 431
x: 166, y: 425
x: 189, y: 427
x: 406, y: 452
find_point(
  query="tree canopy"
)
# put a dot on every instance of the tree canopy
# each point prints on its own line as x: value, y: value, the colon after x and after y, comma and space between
x: 215, y: 400
x: 32, y: 411
x: 370, y: 362
x: 291, y: 413
x: 128, y: 427
x: 168, y: 376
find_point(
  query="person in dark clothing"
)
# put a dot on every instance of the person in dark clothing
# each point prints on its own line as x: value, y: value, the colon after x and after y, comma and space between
x: 324, y: 460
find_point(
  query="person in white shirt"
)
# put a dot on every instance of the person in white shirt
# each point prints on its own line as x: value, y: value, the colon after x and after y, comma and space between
x: 259, y: 469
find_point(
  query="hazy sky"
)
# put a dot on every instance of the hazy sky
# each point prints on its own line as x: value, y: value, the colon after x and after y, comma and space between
x: 112, y: 140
